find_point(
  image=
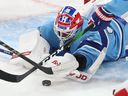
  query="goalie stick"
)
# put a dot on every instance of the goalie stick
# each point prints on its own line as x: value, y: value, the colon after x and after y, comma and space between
x: 17, y: 78
x: 47, y: 70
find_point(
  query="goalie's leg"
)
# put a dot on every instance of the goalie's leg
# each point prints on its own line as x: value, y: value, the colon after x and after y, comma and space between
x: 33, y: 46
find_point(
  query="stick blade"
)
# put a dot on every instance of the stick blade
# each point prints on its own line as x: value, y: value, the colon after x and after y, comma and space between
x: 8, y: 77
x: 13, y: 77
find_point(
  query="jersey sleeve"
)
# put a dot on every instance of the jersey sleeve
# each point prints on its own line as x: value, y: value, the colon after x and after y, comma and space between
x: 94, y: 48
x: 89, y: 48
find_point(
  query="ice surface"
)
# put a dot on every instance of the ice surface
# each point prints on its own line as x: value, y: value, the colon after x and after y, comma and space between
x: 31, y: 86
x: 20, y: 16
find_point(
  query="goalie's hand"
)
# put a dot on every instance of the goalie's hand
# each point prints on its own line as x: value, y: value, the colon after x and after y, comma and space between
x: 62, y: 65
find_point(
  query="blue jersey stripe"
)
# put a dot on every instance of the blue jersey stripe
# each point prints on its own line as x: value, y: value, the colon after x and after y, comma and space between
x: 126, y: 52
x: 92, y: 44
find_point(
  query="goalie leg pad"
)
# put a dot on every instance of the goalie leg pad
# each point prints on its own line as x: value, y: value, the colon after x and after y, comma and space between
x: 33, y: 46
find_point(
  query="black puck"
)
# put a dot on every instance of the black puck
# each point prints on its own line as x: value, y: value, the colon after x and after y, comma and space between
x: 46, y: 82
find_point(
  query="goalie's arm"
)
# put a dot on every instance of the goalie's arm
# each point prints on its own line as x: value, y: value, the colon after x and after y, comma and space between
x: 83, y: 76
x: 94, y: 54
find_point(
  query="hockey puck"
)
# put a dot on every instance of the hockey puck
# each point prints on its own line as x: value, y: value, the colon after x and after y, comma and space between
x: 46, y: 82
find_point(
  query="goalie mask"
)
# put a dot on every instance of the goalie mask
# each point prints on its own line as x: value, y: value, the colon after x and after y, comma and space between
x: 67, y: 23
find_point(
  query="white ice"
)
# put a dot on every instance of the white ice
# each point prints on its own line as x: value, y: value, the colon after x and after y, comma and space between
x: 20, y: 16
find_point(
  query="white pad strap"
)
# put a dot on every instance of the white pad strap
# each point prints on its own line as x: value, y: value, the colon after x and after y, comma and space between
x: 95, y: 66
x: 125, y: 16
